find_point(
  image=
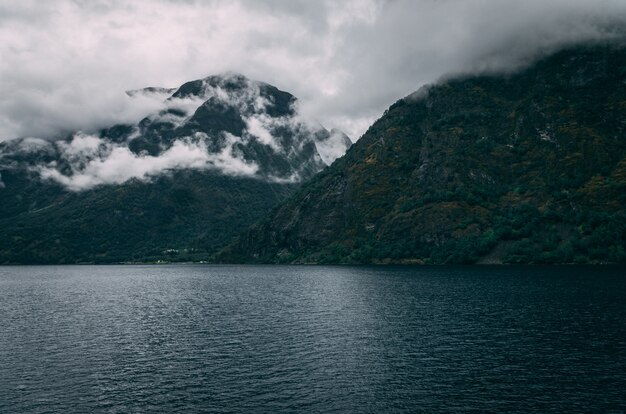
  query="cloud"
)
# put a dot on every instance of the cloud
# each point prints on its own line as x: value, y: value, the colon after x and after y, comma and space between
x: 257, y: 126
x: 93, y: 162
x: 66, y: 64
x: 333, y: 147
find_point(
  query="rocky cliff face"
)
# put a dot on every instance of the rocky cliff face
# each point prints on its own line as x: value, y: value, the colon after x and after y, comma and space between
x: 520, y: 168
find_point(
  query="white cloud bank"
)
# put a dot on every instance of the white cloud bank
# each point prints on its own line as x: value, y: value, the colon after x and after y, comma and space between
x: 65, y: 64
x: 95, y: 162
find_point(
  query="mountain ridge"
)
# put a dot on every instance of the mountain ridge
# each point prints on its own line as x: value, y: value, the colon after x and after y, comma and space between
x: 528, y: 167
x: 176, y: 185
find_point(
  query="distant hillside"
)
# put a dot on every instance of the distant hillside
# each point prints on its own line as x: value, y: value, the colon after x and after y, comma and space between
x: 177, y: 185
x: 521, y: 168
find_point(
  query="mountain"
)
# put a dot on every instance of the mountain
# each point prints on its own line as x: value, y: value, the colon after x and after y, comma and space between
x: 525, y: 167
x: 217, y: 156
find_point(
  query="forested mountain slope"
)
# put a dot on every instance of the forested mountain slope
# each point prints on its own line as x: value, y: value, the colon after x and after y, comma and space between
x: 528, y: 167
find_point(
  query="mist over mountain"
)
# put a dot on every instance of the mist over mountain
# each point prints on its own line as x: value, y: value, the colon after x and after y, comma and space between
x: 220, y: 153
x: 226, y: 123
x: 523, y: 167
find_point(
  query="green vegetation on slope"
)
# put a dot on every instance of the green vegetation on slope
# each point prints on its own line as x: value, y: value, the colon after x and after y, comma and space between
x: 182, y: 217
x: 524, y: 168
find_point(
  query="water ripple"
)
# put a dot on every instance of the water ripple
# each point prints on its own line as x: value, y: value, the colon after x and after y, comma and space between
x: 181, y: 339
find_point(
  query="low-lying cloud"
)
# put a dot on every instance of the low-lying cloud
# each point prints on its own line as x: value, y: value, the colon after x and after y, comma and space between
x: 66, y: 64
x: 93, y: 161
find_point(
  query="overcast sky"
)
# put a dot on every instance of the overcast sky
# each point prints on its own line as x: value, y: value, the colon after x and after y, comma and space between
x: 65, y: 65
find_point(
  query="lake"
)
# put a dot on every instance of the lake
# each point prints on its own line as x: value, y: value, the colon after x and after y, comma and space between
x: 194, y: 338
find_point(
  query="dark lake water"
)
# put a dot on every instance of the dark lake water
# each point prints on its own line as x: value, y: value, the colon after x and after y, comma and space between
x: 184, y: 339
